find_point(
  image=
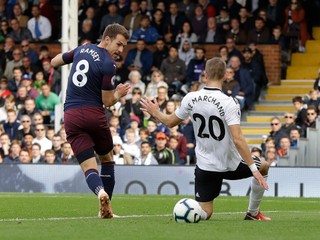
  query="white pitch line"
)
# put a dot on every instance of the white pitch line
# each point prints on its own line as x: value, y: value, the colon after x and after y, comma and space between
x: 140, y: 216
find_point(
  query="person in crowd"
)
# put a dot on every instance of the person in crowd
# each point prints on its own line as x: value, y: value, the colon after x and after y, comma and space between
x: 18, y: 14
x: 288, y: 122
x: 260, y: 34
x: 208, y: 8
x: 158, y: 22
x: 133, y: 19
x: 21, y: 96
x: 4, y: 92
x: 12, y: 124
x: 285, y: 144
x: 24, y: 156
x: 223, y: 53
x: 212, y: 33
x: 314, y: 99
x: 179, y: 143
x: 301, y: 115
x: 187, y: 6
x: 5, y: 29
x: 311, y: 120
x: 146, y: 156
x: 145, y: 31
x: 39, y: 26
x: 123, y: 8
x: 134, y: 125
x: 186, y: 51
x: 316, y: 84
x: 120, y: 157
x: 5, y: 143
x: 26, y: 82
x: 256, y: 71
x: 173, y: 23
x: 232, y: 50
x: 9, y: 47
x: 37, y: 118
x: 231, y: 87
x: 46, y: 102
x: 295, y: 24
x: 13, y: 64
x: 27, y: 128
x: 255, y: 151
x: 9, y: 103
x: 135, y: 82
x: 39, y: 81
x: 122, y: 72
x: 132, y: 105
x: 56, y: 144
x: 112, y: 16
x: 196, y: 66
x: 67, y: 156
x: 19, y: 33
x: 186, y: 128
x: 87, y: 33
x: 52, y: 77
x: 157, y: 80
x: 198, y: 23
x: 173, y: 69
x: 245, y: 80
x: 152, y: 129
x: 139, y: 58
x: 239, y: 35
x: 44, y: 54
x: 50, y: 157
x: 36, y: 155
x: 271, y: 157
x: 29, y: 108
x: 223, y: 19
x: 275, y: 12
x: 162, y: 154
x: 130, y: 146
x: 41, y: 138
x: 47, y: 10
x: 28, y: 68
x: 294, y: 136
x: 27, y: 142
x: 15, y: 149
x: 276, y: 132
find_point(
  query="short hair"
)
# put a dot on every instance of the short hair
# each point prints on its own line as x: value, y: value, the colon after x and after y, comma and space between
x: 144, y: 130
x: 112, y: 30
x: 36, y: 144
x: 215, y: 68
x: 12, y: 111
x: 312, y: 107
x: 297, y: 99
x: 134, y: 72
x: 49, y: 151
x: 145, y: 142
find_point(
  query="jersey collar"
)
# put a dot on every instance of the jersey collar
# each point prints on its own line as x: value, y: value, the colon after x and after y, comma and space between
x: 212, y: 89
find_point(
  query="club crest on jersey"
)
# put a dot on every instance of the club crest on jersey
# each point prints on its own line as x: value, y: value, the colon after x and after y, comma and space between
x: 113, y: 80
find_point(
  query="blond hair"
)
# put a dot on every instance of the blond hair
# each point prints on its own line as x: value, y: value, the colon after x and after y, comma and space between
x: 215, y: 68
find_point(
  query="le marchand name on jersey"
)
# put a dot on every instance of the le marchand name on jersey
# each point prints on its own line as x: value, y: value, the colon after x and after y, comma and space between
x: 208, y: 99
x: 91, y: 52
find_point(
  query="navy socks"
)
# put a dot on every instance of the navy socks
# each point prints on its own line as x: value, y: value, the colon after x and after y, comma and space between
x: 107, y: 177
x: 93, y: 180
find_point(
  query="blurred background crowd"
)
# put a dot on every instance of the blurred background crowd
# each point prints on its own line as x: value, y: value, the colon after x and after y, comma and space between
x: 166, y: 62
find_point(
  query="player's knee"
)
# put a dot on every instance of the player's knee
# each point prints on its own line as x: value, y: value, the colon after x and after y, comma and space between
x: 106, y: 157
x: 264, y: 168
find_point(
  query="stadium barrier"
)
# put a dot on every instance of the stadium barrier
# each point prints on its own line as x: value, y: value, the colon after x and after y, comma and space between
x: 162, y: 180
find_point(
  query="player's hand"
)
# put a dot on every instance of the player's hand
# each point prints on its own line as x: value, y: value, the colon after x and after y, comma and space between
x: 257, y: 175
x: 122, y: 89
x: 149, y: 106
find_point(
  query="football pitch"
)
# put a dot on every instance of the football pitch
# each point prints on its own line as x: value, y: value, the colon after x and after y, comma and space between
x: 74, y: 216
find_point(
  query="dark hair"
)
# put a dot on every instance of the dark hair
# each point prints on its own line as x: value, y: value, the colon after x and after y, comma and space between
x: 297, y: 99
x: 113, y: 30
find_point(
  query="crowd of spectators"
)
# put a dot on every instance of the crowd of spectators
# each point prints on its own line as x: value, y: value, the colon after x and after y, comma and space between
x: 30, y: 87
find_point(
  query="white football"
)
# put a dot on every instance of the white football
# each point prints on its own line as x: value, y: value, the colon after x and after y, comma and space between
x: 187, y: 210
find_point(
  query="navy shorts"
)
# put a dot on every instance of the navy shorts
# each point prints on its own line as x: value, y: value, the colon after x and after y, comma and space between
x: 208, y: 184
x: 87, y: 129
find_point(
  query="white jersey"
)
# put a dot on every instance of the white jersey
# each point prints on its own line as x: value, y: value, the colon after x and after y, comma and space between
x: 211, y: 113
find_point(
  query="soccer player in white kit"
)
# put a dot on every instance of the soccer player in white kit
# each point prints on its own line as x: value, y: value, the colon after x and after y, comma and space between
x: 221, y: 150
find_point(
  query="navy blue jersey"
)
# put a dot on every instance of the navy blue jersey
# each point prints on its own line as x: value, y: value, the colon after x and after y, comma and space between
x: 92, y: 71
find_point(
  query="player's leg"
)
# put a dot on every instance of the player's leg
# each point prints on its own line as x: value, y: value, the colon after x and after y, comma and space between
x: 107, y: 172
x: 82, y: 145
x: 207, y: 188
x: 257, y: 192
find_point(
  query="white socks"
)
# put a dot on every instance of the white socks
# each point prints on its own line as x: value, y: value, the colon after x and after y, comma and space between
x: 256, y: 195
x: 204, y: 215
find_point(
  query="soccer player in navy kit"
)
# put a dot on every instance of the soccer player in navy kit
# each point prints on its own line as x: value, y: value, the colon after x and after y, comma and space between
x: 90, y: 88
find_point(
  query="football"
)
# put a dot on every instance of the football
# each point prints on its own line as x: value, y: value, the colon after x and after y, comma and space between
x: 187, y: 210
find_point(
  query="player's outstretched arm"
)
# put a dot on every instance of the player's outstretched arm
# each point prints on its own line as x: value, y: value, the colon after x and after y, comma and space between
x: 243, y: 149
x: 57, y: 61
x: 152, y: 107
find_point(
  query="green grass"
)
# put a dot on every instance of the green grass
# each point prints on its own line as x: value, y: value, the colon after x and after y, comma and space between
x: 73, y: 216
